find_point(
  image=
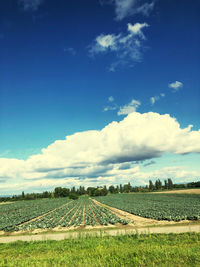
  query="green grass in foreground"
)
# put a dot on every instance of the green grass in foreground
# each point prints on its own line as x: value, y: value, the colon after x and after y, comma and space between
x: 129, y: 250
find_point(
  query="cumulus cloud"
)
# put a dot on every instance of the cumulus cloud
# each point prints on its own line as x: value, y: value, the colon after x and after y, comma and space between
x: 175, y: 85
x: 153, y: 99
x: 30, y: 5
x: 126, y: 48
x: 106, y: 155
x: 131, y: 107
x: 127, y: 8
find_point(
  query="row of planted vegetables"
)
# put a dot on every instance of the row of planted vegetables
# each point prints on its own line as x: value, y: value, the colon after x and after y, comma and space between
x: 51, y: 213
x: 171, y: 207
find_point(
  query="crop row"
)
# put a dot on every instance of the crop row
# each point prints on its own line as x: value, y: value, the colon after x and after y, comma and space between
x: 106, y: 217
x: 52, y: 219
x: 19, y: 212
x: 171, y: 207
x: 38, y: 215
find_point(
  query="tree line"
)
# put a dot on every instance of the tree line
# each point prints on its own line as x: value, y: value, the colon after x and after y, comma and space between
x: 74, y: 192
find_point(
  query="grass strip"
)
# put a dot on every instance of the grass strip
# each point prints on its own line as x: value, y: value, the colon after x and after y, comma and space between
x: 128, y: 250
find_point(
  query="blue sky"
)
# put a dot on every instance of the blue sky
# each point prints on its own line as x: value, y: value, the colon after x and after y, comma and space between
x: 76, y: 66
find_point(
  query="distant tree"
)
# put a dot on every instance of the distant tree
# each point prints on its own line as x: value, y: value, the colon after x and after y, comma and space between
x: 73, y: 190
x: 58, y: 192
x: 166, y: 184
x: 91, y: 191
x: 65, y: 192
x: 73, y: 196
x: 111, y: 189
x: 81, y: 190
x: 170, y: 184
x: 45, y: 194
x: 158, y: 184
x: 117, y: 189
x: 151, y: 186
x: 121, y: 188
x: 127, y: 188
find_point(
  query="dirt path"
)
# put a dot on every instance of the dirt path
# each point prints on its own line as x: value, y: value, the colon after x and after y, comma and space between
x: 180, y: 191
x: 2, y: 203
x: 111, y: 232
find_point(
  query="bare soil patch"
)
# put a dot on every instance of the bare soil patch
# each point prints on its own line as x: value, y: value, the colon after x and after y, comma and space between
x: 2, y: 203
x: 181, y: 191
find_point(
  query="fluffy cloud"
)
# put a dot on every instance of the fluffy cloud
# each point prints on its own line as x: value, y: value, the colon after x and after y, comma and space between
x: 176, y: 85
x: 106, y: 155
x: 136, y: 29
x: 127, y: 48
x: 131, y: 107
x: 127, y: 8
x: 32, y: 5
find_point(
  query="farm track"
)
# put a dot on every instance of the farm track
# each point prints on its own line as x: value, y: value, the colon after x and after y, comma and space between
x: 41, y: 216
x: 100, y: 233
x: 180, y: 191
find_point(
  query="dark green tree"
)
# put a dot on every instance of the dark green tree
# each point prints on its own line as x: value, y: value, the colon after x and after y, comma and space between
x: 170, y: 183
x: 151, y: 186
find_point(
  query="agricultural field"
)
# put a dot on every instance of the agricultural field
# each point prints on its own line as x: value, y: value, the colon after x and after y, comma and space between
x: 171, y: 207
x: 72, y: 214
x: 52, y: 213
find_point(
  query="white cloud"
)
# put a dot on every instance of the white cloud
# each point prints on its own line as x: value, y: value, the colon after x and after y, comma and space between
x: 106, y: 41
x: 131, y: 107
x: 153, y: 99
x: 114, y: 107
x: 127, y: 48
x: 32, y: 5
x: 176, y: 85
x: 111, y: 99
x: 136, y: 29
x: 99, y: 155
x: 127, y: 8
